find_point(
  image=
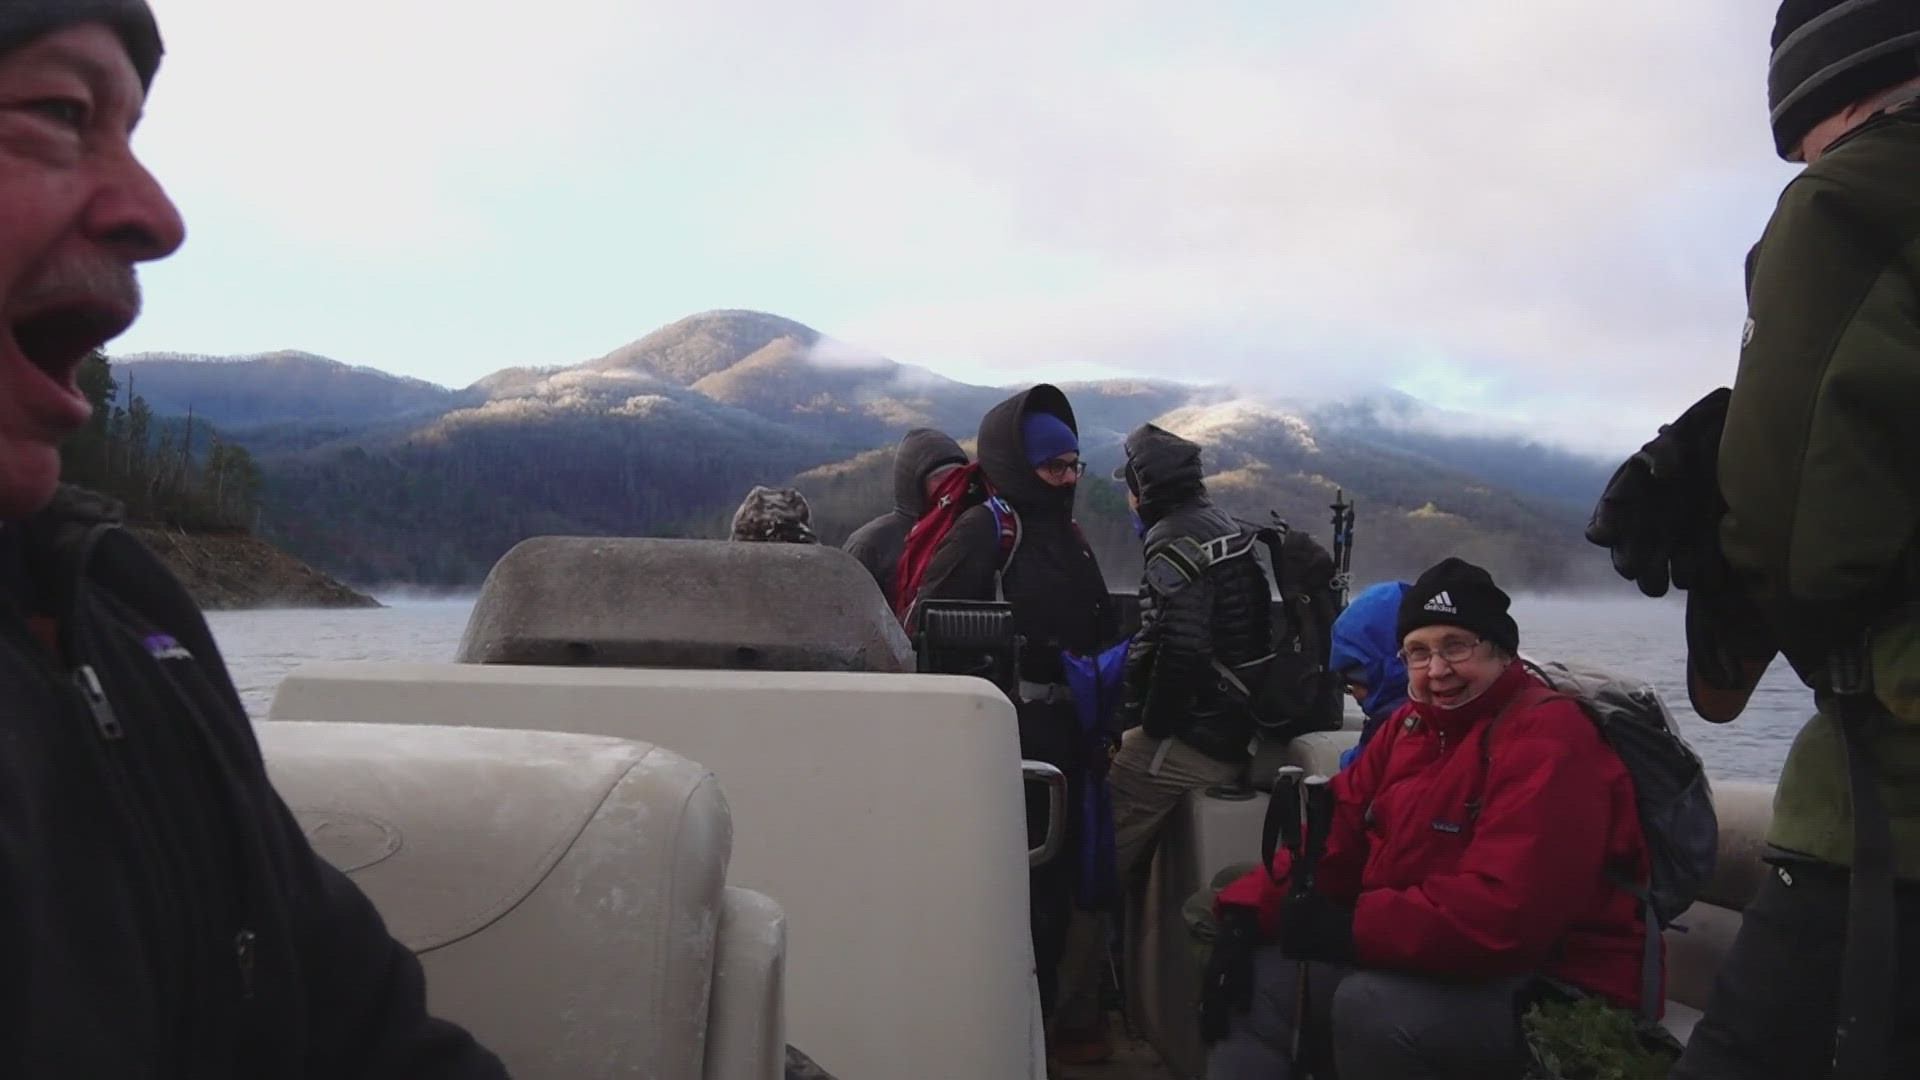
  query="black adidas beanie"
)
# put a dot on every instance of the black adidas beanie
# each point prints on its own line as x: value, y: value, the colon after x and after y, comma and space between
x: 1457, y: 593
x: 25, y: 21
x: 1829, y: 54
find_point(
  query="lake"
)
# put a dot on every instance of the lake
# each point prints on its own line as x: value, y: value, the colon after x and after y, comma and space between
x: 1643, y: 637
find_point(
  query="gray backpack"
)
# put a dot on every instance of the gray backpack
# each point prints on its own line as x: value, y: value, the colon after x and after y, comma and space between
x: 1671, y: 791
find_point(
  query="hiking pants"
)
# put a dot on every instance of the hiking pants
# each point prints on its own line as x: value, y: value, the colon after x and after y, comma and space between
x: 1141, y: 803
x: 1379, y: 1025
x: 1774, y: 999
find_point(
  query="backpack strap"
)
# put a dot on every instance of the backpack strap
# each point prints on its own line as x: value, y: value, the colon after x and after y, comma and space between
x: 1006, y: 524
x: 1527, y: 697
x: 1869, y: 971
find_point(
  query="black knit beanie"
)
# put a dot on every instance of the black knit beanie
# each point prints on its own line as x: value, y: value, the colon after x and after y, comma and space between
x: 1829, y: 54
x: 25, y: 21
x: 1457, y: 593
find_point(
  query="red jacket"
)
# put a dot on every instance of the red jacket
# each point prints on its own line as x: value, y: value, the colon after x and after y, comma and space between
x: 1520, y: 889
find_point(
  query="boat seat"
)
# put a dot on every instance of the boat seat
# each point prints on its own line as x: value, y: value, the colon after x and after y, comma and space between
x: 883, y: 812
x: 656, y: 603
x: 565, y: 893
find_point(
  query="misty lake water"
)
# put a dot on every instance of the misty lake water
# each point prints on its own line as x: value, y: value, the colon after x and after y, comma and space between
x: 1644, y: 637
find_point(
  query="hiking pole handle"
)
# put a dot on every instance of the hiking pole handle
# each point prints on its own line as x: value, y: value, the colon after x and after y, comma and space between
x: 1283, y: 817
x: 1056, y: 837
x: 1318, y: 794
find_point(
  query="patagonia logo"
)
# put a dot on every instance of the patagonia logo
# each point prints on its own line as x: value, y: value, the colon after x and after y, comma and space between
x: 164, y: 647
x: 1442, y: 603
x: 1451, y: 828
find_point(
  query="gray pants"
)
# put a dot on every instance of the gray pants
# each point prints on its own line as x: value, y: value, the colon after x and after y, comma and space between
x: 1379, y: 1025
x: 1142, y: 799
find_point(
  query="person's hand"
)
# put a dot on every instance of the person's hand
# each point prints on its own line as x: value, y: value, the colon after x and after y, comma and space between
x: 1312, y: 927
x: 1227, y: 986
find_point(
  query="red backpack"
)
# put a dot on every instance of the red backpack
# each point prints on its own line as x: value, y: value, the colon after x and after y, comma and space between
x: 959, y: 491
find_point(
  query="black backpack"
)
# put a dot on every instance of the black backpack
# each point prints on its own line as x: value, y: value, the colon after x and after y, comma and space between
x: 1292, y: 692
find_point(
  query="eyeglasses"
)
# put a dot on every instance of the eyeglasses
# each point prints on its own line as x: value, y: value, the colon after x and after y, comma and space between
x: 1060, y: 470
x: 1453, y: 652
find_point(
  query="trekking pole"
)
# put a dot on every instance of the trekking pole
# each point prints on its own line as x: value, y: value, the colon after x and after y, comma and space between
x: 1317, y: 806
x: 1283, y: 817
x: 1342, y: 545
x: 1318, y: 793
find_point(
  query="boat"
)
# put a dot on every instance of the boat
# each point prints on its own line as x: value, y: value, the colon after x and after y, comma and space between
x: 677, y: 805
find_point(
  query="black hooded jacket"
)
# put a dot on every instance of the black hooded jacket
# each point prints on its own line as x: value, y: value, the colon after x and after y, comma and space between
x: 1059, y: 597
x: 163, y: 915
x: 878, y: 543
x: 1204, y: 598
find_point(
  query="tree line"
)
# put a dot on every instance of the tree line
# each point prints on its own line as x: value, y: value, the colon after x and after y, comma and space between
x: 164, y: 470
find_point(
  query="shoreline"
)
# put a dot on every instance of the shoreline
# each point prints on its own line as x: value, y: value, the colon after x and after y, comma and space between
x: 239, y: 571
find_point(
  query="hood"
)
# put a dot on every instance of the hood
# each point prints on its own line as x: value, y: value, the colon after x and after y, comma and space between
x: 1166, y: 471
x: 1366, y: 647
x: 1003, y: 453
x: 922, y: 451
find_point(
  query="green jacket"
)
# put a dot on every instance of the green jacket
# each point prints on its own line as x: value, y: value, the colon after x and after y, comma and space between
x: 1820, y: 463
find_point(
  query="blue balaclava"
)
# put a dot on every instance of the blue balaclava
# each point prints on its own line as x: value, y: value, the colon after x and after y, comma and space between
x: 1045, y: 436
x: 1366, y: 650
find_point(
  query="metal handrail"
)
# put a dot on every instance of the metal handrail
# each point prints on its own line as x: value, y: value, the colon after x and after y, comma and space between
x: 1056, y: 838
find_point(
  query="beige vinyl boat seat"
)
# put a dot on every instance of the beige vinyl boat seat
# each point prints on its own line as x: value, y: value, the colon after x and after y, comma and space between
x: 883, y: 812
x: 716, y: 604
x: 565, y: 893
x: 1211, y: 831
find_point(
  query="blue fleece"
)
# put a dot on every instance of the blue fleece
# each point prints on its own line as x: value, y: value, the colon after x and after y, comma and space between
x: 1366, y: 650
x: 1045, y: 436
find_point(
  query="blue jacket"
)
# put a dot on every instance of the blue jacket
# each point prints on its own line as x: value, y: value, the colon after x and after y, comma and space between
x: 1366, y: 650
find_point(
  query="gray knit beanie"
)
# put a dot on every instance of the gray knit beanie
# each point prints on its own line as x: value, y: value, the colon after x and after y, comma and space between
x: 1829, y: 54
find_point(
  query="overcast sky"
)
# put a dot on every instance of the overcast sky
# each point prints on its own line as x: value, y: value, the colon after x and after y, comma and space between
x: 1532, y: 211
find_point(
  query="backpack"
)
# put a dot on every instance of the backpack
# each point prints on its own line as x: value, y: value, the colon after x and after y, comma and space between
x: 959, y: 491
x: 1297, y: 694
x: 1671, y: 792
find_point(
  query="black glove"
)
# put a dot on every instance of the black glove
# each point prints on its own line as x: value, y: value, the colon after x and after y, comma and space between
x: 1227, y: 986
x: 1660, y: 513
x: 1313, y: 927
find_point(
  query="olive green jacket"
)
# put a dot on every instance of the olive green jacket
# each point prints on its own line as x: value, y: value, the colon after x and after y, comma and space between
x: 1820, y: 463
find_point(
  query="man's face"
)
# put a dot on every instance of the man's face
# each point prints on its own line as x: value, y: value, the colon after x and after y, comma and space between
x: 1063, y: 471
x: 77, y: 213
x: 1448, y: 666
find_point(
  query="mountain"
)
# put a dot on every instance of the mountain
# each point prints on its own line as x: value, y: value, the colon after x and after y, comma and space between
x: 1526, y: 467
x: 383, y: 480
x: 287, y: 386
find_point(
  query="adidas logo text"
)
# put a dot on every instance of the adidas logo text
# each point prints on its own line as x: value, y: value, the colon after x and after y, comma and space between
x: 1442, y: 603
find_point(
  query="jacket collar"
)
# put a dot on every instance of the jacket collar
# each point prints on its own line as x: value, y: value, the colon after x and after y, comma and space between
x: 1491, y: 703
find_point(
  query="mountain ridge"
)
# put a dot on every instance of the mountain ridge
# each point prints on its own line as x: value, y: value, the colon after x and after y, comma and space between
x: 384, y: 479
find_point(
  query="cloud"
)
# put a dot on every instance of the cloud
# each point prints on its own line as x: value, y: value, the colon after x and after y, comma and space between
x: 1538, y: 204
x: 1526, y: 211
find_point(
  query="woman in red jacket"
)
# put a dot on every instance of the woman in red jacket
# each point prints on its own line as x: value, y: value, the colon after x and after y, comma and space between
x: 1469, y: 856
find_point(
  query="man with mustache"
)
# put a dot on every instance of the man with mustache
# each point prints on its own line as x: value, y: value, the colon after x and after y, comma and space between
x: 162, y: 914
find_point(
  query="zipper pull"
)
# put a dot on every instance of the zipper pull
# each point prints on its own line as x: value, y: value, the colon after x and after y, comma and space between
x: 88, y: 683
x: 243, y: 943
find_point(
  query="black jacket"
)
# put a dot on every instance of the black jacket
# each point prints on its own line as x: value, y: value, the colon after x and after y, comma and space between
x: 1203, y: 598
x: 878, y: 543
x: 1060, y: 600
x: 163, y: 915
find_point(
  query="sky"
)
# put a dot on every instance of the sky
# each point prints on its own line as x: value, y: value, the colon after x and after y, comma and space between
x: 1532, y: 213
